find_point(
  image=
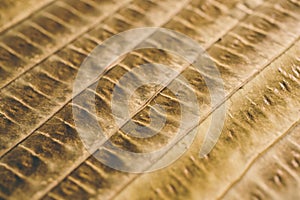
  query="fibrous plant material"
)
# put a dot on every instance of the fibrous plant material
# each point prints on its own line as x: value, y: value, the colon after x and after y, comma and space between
x: 255, y: 46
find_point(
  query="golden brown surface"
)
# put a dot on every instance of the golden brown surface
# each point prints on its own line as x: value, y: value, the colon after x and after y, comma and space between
x: 255, y: 45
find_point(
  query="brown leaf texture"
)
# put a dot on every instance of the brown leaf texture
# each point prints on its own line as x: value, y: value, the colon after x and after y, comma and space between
x: 253, y: 43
